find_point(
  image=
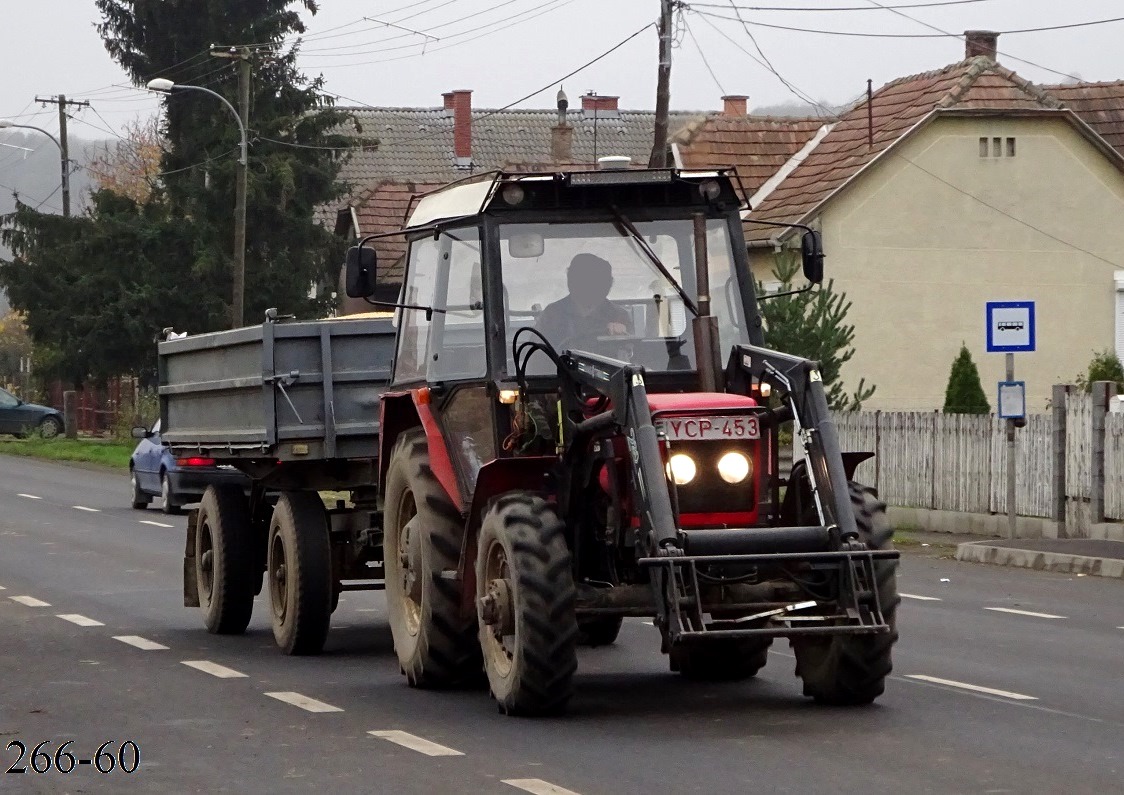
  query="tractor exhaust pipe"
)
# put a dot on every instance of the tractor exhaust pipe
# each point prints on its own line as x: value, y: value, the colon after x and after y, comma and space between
x: 705, y: 325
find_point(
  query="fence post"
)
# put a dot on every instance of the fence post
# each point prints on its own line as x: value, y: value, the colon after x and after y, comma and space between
x: 1102, y: 393
x: 70, y: 413
x: 1058, y: 399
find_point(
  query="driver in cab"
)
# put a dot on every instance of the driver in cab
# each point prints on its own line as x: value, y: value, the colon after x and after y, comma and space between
x: 587, y: 311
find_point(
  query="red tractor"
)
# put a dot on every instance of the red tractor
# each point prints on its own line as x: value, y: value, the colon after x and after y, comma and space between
x: 563, y: 445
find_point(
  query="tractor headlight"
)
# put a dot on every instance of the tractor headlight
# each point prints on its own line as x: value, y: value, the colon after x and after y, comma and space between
x: 682, y: 469
x: 734, y: 467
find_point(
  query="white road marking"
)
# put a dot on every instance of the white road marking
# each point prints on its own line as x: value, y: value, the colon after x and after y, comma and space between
x: 366, y: 610
x: 84, y: 508
x: 29, y: 496
x: 537, y: 786
x: 214, y: 669
x: 30, y: 601
x: 921, y: 598
x: 80, y: 620
x: 2, y: 588
x: 304, y: 702
x: 155, y: 524
x: 975, y: 688
x: 1022, y: 612
x: 143, y: 644
x: 415, y: 743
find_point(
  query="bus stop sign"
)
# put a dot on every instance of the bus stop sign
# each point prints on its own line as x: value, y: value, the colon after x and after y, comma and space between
x: 1010, y: 326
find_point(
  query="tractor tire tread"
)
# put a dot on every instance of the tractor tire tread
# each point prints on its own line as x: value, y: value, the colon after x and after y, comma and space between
x: 231, y: 536
x: 307, y: 631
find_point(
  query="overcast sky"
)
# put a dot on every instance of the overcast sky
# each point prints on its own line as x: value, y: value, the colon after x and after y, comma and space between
x: 504, y: 49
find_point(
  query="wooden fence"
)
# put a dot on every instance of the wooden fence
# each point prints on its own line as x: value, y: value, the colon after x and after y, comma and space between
x: 1114, y: 467
x: 952, y: 462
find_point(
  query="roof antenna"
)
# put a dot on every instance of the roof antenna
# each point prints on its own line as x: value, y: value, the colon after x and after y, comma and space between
x: 869, y: 113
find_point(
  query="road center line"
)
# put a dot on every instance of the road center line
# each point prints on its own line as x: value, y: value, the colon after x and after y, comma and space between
x: 144, y: 644
x: 415, y: 743
x: 84, y: 508
x: 974, y: 688
x: 29, y: 496
x: 1022, y: 612
x: 2, y: 588
x: 80, y: 620
x: 155, y: 524
x: 304, y: 702
x: 30, y: 601
x: 537, y: 786
x: 921, y: 598
x: 214, y: 669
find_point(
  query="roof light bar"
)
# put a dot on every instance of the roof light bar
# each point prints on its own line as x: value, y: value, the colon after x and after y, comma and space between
x: 622, y: 177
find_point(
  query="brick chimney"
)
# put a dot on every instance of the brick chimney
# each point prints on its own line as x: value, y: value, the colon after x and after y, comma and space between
x: 462, y: 127
x: 447, y: 98
x: 562, y: 134
x: 600, y: 106
x: 981, y: 42
x: 735, y: 105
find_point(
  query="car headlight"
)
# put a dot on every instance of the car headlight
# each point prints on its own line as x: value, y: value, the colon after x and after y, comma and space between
x: 681, y: 468
x: 734, y: 467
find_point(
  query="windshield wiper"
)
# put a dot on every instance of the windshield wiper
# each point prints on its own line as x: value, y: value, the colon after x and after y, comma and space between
x: 627, y: 229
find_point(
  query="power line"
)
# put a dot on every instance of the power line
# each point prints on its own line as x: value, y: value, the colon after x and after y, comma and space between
x: 962, y: 38
x: 702, y: 55
x: 869, y: 35
x: 841, y: 8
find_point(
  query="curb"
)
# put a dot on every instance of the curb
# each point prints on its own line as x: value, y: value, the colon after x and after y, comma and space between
x: 981, y: 552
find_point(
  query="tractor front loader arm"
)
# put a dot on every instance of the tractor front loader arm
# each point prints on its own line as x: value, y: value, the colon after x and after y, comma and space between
x: 799, y: 384
x: 626, y: 409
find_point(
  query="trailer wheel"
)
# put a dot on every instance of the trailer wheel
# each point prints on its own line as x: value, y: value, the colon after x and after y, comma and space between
x: 598, y: 631
x: 299, y: 565
x: 721, y: 660
x: 224, y: 560
x: 852, y: 669
x: 525, y: 600
x: 435, y: 643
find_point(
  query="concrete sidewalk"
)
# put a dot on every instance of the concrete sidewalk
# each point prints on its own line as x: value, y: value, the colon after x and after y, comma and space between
x: 1065, y: 555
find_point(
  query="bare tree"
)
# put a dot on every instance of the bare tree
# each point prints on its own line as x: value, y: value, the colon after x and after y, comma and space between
x: 130, y: 167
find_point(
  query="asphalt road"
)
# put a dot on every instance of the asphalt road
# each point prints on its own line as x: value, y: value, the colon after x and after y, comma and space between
x: 1004, y: 681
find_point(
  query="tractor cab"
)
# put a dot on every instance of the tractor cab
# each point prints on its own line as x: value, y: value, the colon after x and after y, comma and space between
x: 582, y: 425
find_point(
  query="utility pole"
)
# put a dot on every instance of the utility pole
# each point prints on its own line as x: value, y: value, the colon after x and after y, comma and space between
x: 64, y: 148
x: 663, y: 87
x: 238, y: 293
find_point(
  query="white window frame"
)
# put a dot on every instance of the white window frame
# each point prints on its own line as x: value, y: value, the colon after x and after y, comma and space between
x: 1119, y: 278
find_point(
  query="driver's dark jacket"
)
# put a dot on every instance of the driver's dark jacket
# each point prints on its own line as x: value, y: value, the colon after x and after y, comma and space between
x: 560, y: 322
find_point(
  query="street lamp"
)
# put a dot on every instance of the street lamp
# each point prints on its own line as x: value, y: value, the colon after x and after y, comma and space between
x: 6, y: 124
x: 164, y: 86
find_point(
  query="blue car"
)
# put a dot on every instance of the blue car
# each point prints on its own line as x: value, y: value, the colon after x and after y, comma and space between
x: 155, y: 472
x: 20, y: 419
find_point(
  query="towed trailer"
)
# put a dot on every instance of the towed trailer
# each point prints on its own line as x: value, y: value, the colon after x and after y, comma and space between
x: 519, y: 481
x: 294, y: 405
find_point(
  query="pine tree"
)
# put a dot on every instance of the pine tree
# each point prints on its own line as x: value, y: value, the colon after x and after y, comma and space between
x: 813, y: 325
x: 964, y: 394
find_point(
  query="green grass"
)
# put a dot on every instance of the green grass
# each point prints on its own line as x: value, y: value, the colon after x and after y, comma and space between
x: 92, y: 451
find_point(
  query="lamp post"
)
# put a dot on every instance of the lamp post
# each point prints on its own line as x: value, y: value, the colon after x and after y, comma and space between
x: 6, y: 124
x: 165, y: 86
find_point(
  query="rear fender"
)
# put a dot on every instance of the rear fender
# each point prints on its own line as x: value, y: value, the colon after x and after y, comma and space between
x: 798, y: 483
x: 495, y: 478
x: 401, y: 411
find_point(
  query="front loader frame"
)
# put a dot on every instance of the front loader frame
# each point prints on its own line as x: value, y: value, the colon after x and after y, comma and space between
x: 673, y: 556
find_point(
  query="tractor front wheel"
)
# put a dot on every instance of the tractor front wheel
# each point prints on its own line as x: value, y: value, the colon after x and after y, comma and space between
x: 525, y: 599
x: 435, y: 643
x: 852, y: 669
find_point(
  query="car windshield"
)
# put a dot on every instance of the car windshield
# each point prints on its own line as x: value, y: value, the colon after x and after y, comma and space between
x: 592, y: 286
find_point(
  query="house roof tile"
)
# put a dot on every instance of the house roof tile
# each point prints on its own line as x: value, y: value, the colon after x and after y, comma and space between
x: 1100, y: 105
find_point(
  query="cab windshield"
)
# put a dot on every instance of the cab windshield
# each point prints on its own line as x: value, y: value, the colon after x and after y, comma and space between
x: 593, y: 287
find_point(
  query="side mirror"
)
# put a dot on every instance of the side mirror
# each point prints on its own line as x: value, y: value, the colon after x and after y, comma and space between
x: 811, y: 256
x: 140, y: 433
x: 360, y: 272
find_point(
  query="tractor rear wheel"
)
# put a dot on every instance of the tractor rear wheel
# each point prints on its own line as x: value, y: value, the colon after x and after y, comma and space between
x: 435, y: 643
x: 852, y: 669
x: 598, y: 631
x: 721, y: 660
x: 525, y: 599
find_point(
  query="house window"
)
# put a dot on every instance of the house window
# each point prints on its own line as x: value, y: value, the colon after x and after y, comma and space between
x: 984, y: 149
x: 1010, y: 147
x: 996, y: 147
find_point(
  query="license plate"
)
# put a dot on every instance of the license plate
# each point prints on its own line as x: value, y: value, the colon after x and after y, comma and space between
x: 690, y: 429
